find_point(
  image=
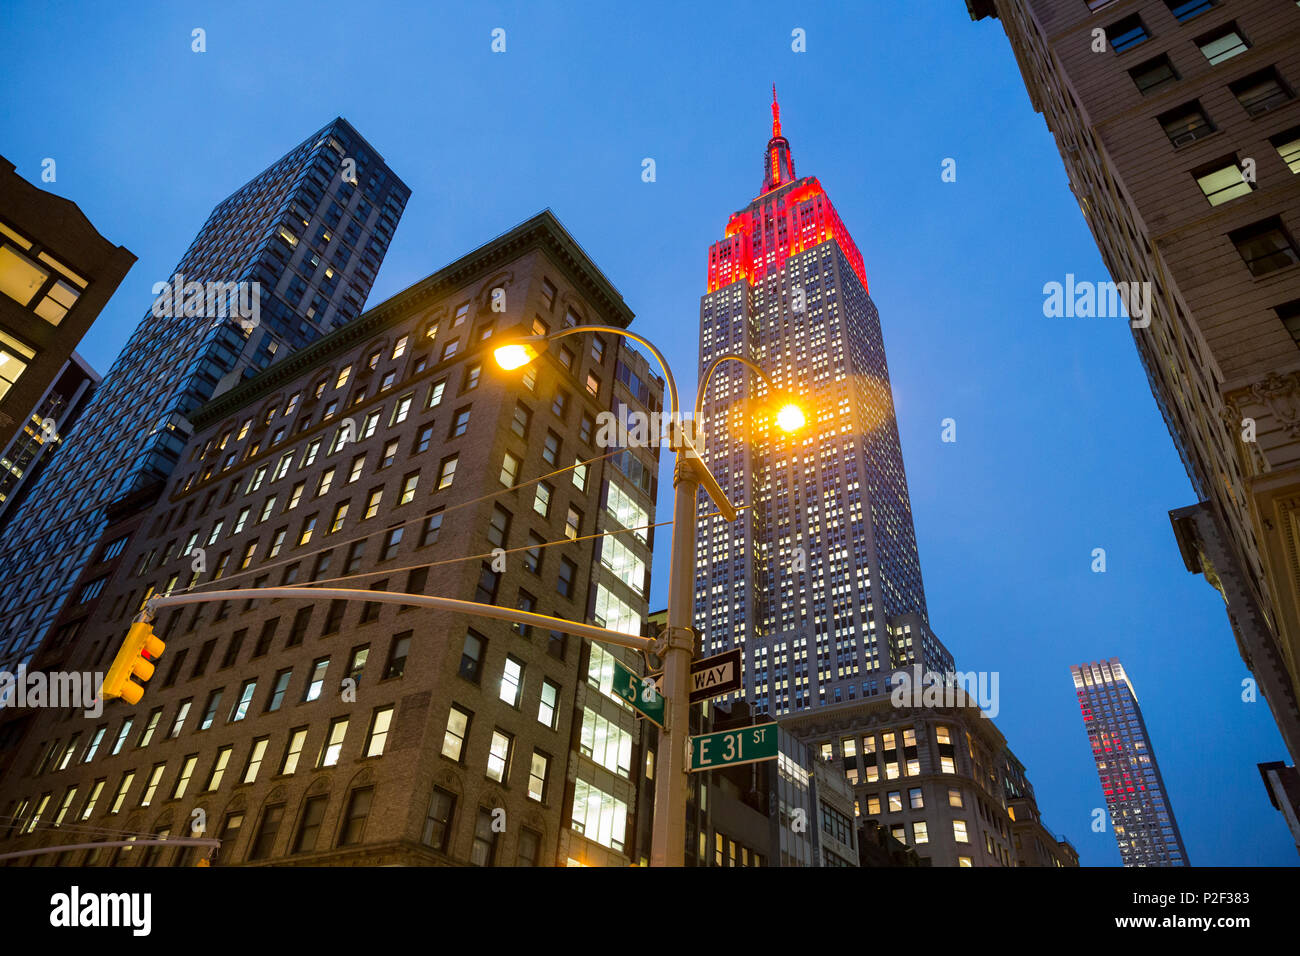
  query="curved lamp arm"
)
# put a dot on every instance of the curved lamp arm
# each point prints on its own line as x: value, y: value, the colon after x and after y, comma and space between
x: 708, y: 374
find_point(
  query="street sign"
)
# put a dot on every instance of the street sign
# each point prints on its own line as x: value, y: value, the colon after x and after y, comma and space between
x: 727, y: 748
x: 711, y: 676
x: 714, y: 676
x: 640, y: 692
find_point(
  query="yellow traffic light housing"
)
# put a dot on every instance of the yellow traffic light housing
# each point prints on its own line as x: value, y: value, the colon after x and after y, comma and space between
x: 134, y: 659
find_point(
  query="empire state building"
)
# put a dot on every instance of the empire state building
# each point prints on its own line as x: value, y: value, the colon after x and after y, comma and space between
x: 818, y: 579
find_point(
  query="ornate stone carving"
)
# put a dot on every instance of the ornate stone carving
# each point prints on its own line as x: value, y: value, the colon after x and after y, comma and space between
x: 1281, y: 395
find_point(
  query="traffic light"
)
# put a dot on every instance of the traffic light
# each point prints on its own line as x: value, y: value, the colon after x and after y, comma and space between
x: 134, y: 659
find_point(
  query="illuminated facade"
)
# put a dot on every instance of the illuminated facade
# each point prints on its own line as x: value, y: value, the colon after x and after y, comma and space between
x: 1136, y: 799
x: 818, y: 580
x: 312, y: 235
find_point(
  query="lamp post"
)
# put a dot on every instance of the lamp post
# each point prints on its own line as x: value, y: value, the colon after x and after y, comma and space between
x: 676, y: 645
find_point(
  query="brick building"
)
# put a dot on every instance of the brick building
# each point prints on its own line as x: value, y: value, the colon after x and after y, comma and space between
x: 337, y: 733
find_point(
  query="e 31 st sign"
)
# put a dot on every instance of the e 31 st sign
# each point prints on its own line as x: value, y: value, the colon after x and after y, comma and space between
x: 727, y: 748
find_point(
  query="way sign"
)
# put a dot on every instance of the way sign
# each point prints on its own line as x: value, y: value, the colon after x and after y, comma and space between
x: 640, y: 692
x: 715, y: 676
x: 727, y: 748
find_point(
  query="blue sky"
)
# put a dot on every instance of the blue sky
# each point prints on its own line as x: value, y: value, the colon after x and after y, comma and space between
x: 1060, y: 448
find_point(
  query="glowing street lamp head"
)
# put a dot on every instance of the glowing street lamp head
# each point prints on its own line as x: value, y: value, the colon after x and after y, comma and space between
x: 790, y: 418
x: 514, y: 355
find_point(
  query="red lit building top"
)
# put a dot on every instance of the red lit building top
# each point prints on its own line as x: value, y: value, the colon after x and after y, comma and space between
x: 789, y: 216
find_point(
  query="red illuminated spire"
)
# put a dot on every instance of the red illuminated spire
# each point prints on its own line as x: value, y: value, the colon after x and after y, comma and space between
x: 778, y: 166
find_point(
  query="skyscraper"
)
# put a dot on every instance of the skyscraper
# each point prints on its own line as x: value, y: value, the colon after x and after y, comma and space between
x: 1179, y: 128
x: 299, y: 245
x: 1136, y: 800
x: 818, y: 580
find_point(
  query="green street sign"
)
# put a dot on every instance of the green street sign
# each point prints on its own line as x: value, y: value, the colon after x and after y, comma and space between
x: 727, y: 748
x: 640, y: 692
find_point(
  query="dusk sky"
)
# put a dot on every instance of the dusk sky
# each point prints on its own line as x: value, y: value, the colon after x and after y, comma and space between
x: 1060, y: 447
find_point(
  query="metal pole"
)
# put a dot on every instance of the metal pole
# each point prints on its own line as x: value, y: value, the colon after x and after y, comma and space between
x: 672, y: 780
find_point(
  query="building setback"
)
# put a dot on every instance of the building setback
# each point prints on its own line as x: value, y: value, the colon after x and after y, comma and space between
x: 1136, y: 799
x: 56, y: 272
x: 1179, y: 128
x: 333, y: 733
x: 310, y: 236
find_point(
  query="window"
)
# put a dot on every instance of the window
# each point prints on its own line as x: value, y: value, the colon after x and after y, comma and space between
x: 593, y: 383
x: 181, y: 713
x: 560, y: 404
x: 498, y: 532
x: 920, y: 832
x: 340, y: 513
x: 429, y: 530
x: 372, y: 502
x: 435, y: 394
x: 218, y: 768
x: 959, y: 831
x: 397, y: 653
x: 151, y: 787
x: 483, y: 852
x: 1289, y: 314
x: 308, y: 528
x: 313, y: 812
x: 1125, y: 34
x: 573, y: 524
x: 240, y: 710
x: 210, y: 711
x: 437, y: 822
x: 537, y: 774
x: 954, y: 797
x: 547, y: 707
x: 598, y: 815
x: 604, y: 741
x: 278, y: 688
x: 542, y: 498
x: 255, y: 756
x: 1154, y: 74
x: 471, y: 656
x: 392, y: 540
x: 1184, y: 10
x: 266, y: 832
x: 354, y: 818
x: 357, y: 662
x: 380, y: 721
x: 520, y: 420
x: 486, y: 591
x: 498, y: 762
x: 316, y: 679
x: 551, y: 448
x: 388, y: 456
x: 293, y: 750
x: 355, y: 554
x: 548, y: 293
x: 329, y: 753
x: 1222, y: 180
x: 1222, y: 44
x: 509, y: 470
x: 580, y: 474
x: 1260, y: 92
x: 895, y: 801
x: 915, y: 798
x: 533, y: 555
x: 1287, y: 145
x: 453, y: 742
x: 447, y: 472
x: 459, y: 423
x: 1186, y: 123
x: 1265, y: 246
x: 587, y: 426
x: 512, y: 681
x: 564, y: 580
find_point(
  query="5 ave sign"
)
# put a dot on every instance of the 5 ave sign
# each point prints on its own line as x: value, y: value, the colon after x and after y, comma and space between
x: 640, y: 692
x: 730, y: 747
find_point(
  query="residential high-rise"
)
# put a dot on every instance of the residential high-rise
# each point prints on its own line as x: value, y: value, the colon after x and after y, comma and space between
x: 816, y: 576
x: 297, y: 248
x: 390, y: 455
x: 1136, y: 799
x: 1179, y: 127
x: 56, y: 272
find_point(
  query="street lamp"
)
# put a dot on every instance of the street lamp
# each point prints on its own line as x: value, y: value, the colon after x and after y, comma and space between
x: 676, y: 645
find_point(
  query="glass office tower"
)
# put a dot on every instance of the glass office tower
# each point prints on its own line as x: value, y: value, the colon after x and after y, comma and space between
x: 311, y: 231
x: 818, y: 580
x: 1126, y: 765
